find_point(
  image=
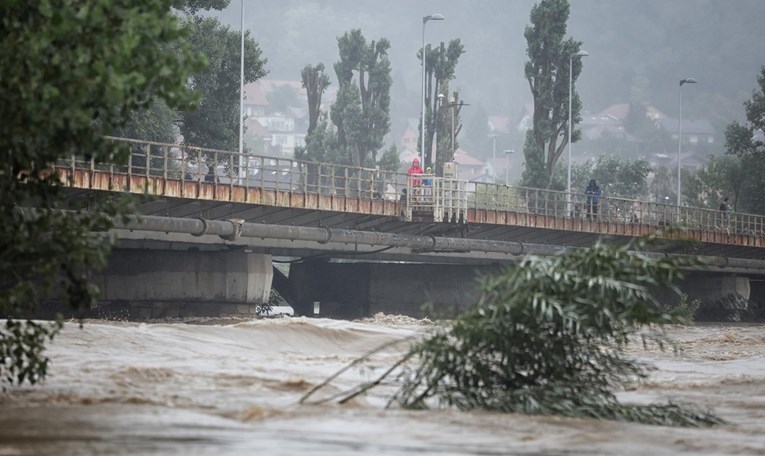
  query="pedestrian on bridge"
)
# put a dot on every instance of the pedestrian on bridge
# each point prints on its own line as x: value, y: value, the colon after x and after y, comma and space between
x: 724, y: 208
x: 414, y: 173
x: 427, y: 183
x: 592, y: 194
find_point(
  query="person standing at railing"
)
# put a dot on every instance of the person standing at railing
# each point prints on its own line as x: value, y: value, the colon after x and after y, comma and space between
x: 592, y: 194
x: 427, y: 184
x: 210, y: 176
x: 724, y: 208
x: 413, y: 174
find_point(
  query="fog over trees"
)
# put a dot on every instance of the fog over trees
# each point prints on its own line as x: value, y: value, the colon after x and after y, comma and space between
x: 638, y: 50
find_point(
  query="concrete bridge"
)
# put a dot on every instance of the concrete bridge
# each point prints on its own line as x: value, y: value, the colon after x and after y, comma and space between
x: 211, y: 223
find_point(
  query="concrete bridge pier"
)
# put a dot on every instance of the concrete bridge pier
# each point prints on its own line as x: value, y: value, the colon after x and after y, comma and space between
x: 356, y: 290
x: 142, y: 284
x: 724, y: 297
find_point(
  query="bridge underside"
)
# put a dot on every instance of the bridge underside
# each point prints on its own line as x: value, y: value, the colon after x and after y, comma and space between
x: 160, y: 284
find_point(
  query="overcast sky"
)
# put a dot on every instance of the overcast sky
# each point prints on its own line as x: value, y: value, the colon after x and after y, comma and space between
x: 638, y: 49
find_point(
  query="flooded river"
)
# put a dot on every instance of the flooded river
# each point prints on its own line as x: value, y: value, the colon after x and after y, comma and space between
x: 232, y: 387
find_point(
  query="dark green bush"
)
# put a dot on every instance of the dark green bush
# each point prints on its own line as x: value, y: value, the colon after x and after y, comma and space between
x: 547, y: 337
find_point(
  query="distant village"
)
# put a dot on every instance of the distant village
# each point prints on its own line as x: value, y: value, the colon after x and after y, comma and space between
x: 277, y: 122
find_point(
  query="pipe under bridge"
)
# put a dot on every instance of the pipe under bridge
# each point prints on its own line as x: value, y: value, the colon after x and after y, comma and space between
x: 173, y: 267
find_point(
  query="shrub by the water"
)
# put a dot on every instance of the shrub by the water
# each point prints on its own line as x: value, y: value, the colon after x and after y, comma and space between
x: 547, y: 337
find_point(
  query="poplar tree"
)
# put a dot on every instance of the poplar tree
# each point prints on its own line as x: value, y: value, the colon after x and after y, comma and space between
x: 361, y: 112
x: 547, y: 72
x: 441, y: 64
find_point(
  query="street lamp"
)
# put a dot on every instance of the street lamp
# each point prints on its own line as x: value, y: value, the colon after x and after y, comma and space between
x: 570, y: 96
x: 507, y: 165
x: 425, y: 19
x: 241, y: 81
x: 680, y: 139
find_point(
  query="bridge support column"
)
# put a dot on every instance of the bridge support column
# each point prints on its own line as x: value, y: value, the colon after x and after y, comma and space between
x: 354, y: 290
x: 167, y: 283
x: 723, y: 297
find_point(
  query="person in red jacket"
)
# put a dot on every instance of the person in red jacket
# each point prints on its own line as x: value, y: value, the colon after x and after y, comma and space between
x: 414, y: 179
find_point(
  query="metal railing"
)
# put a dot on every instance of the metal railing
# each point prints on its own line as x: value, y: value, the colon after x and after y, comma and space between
x: 443, y: 198
x: 448, y: 199
x: 197, y: 164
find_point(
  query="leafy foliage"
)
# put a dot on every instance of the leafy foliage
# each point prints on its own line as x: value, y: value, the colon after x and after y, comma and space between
x: 353, y: 131
x: 440, y: 67
x: 755, y: 106
x: 72, y: 70
x: 215, y: 124
x: 616, y: 176
x: 547, y: 71
x: 154, y: 123
x: 687, y: 308
x: 722, y: 176
x: 361, y: 112
x: 663, y: 188
x: 547, y: 337
x: 315, y: 82
x: 448, y: 126
x: 747, y: 180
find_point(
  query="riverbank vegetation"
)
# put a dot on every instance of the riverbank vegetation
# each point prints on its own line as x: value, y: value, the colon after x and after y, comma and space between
x: 72, y: 71
x: 548, y: 337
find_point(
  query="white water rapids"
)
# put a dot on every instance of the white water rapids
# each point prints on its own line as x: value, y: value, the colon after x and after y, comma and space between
x: 232, y: 387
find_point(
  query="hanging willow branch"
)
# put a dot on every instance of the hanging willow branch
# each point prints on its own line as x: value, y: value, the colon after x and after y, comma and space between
x: 345, y: 396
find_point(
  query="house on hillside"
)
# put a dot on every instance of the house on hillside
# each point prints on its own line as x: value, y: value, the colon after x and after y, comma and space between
x: 525, y: 118
x: 694, y: 131
x: 257, y: 138
x: 409, y: 138
x: 281, y: 109
x: 499, y: 125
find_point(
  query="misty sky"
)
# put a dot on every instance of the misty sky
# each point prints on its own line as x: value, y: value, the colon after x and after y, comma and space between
x: 638, y: 49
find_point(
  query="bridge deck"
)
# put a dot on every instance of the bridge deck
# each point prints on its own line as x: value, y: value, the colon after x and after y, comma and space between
x: 178, y: 197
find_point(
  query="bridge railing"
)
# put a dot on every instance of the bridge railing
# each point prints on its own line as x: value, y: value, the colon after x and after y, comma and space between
x: 500, y: 197
x: 443, y: 198
x: 198, y: 164
x: 450, y: 197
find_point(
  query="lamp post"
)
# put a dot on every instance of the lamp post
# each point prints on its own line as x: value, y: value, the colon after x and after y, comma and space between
x: 507, y: 165
x: 425, y: 19
x: 241, y: 92
x: 680, y: 139
x: 570, y: 120
x: 241, y: 81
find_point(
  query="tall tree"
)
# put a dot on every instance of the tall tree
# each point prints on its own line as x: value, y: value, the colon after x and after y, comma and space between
x: 441, y: 64
x: 547, y: 72
x: 722, y: 176
x: 361, y: 112
x: 154, y: 123
x: 315, y: 82
x: 663, y: 187
x: 448, y: 126
x: 744, y: 141
x: 216, y: 123
x: 72, y: 71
